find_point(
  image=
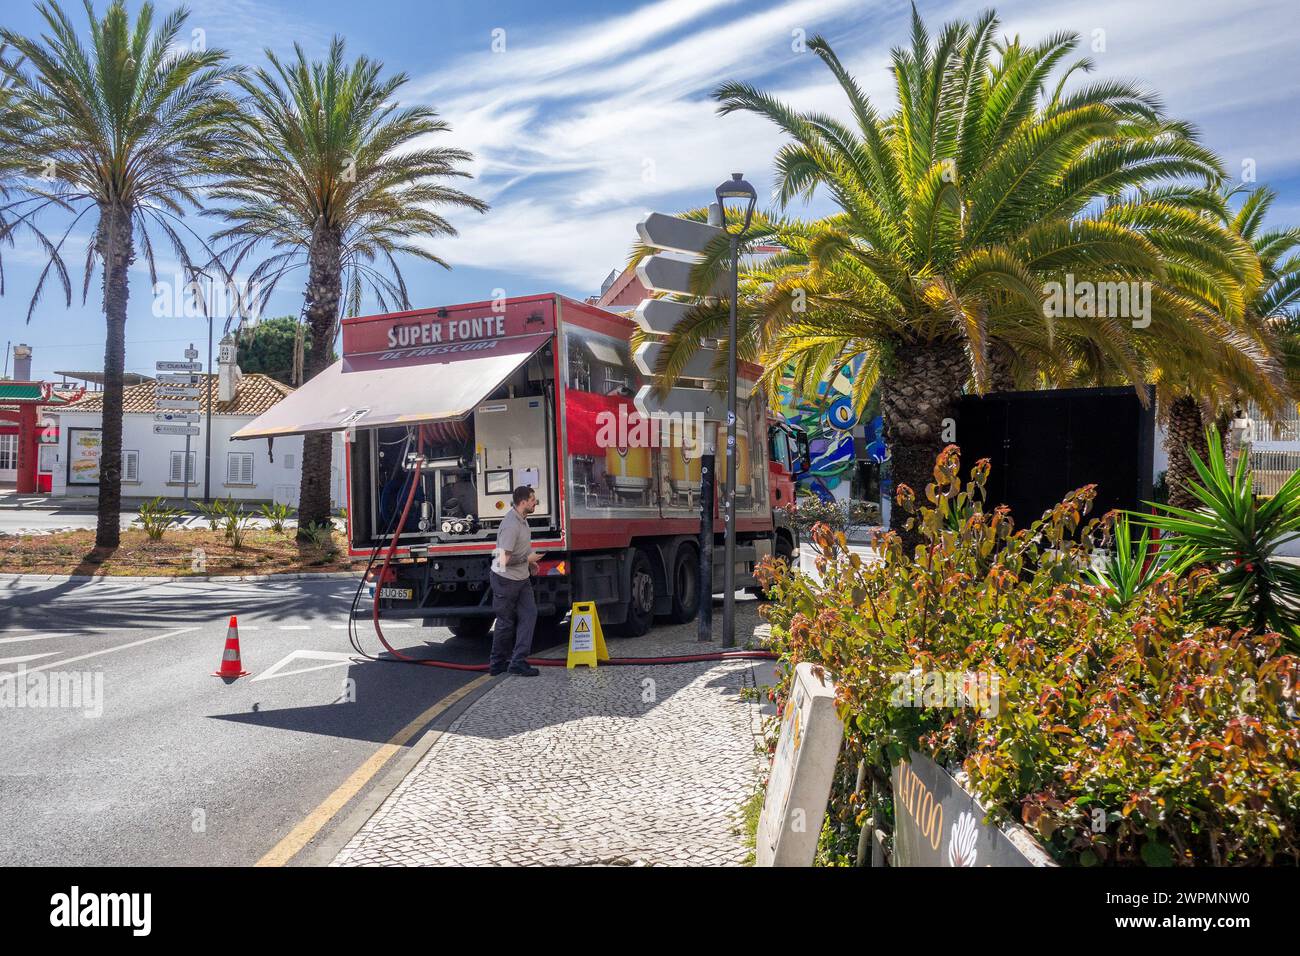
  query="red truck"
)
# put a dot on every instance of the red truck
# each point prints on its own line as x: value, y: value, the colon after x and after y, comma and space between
x: 470, y: 401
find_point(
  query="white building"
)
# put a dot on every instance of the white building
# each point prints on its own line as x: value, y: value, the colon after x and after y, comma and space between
x: 154, y: 464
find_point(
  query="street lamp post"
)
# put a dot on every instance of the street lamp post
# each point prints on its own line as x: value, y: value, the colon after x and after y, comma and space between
x: 738, y: 198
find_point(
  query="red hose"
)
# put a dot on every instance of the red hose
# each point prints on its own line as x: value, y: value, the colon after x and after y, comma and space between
x: 536, y: 661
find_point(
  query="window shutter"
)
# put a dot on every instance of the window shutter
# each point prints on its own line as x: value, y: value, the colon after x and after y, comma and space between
x: 239, y: 468
x: 176, y: 475
x: 130, y: 466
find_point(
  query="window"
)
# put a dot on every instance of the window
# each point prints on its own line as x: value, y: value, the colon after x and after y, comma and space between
x: 288, y: 461
x: 780, y: 447
x: 130, y: 465
x: 239, y: 468
x: 8, y: 452
x: 175, y: 477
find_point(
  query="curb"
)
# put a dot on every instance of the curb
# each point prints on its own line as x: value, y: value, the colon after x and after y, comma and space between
x: 168, y: 579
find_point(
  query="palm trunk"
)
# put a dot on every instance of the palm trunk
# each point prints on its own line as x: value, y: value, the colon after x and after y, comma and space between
x: 1001, y: 368
x: 324, y: 289
x: 1186, y: 430
x: 115, y: 244
x: 921, y: 391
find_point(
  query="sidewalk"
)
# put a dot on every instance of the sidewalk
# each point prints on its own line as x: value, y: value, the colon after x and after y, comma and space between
x: 627, y: 766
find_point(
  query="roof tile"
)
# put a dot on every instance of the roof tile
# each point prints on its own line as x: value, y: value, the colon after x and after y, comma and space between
x: 255, y: 394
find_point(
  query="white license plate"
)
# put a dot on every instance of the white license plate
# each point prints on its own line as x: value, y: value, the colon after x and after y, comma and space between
x: 397, y: 594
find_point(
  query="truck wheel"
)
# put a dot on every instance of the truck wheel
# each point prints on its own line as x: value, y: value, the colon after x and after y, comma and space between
x: 641, y: 599
x: 473, y: 627
x: 686, y: 586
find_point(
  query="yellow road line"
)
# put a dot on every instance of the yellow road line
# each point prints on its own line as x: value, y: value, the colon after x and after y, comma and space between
x: 302, y: 834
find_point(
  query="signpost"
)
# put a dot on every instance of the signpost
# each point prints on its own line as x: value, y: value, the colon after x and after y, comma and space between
x: 684, y: 242
x: 176, y: 391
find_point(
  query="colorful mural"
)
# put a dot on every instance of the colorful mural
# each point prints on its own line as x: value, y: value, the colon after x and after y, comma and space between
x: 829, y: 420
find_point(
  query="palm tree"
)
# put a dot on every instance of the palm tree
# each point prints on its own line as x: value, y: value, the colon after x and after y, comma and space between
x: 1269, y: 320
x: 332, y: 176
x: 125, y: 127
x: 989, y: 180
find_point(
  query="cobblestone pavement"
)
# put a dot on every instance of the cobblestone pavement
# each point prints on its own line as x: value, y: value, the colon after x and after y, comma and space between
x: 628, y: 765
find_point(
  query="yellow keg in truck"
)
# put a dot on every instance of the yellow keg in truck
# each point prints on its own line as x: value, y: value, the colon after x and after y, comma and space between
x: 628, y: 468
x: 683, y: 467
x: 744, y: 466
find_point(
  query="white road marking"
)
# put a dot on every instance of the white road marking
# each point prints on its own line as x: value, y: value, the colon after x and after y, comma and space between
x: 335, y: 660
x: 29, y: 657
x: 30, y: 637
x: 295, y: 627
x: 107, y: 650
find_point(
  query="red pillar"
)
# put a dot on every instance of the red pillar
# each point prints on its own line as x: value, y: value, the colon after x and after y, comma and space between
x: 28, y: 451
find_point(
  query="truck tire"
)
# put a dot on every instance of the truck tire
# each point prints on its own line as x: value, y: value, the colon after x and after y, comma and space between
x: 686, y: 585
x: 641, y: 598
x: 472, y: 628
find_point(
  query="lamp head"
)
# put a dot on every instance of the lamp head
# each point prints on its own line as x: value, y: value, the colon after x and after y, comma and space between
x: 737, y: 197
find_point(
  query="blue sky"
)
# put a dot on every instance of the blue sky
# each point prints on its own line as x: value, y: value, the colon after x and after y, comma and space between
x: 595, y: 113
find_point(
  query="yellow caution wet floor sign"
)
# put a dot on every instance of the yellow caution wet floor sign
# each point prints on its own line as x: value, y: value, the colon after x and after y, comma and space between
x: 586, y: 640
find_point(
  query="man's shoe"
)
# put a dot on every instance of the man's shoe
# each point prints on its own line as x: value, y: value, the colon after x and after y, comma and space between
x: 523, y: 671
x: 495, y: 670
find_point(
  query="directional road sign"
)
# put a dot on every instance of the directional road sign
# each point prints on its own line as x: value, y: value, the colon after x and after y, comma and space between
x: 175, y: 430
x: 700, y: 365
x: 677, y: 235
x: 176, y: 417
x: 667, y: 273
x: 177, y: 403
x: 661, y: 315
x: 178, y: 378
x: 178, y: 366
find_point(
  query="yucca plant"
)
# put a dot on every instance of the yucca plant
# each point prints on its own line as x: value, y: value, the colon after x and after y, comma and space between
x: 213, y: 512
x: 155, y: 517
x: 1130, y: 567
x: 235, y: 523
x: 1237, y: 537
x: 276, y: 515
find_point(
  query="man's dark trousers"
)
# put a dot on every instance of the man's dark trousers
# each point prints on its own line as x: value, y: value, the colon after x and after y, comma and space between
x: 516, y: 611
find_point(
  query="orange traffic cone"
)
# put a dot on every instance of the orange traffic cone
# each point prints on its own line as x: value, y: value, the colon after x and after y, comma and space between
x: 231, y: 669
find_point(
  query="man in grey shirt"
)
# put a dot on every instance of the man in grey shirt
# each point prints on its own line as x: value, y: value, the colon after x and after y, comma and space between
x: 514, y: 562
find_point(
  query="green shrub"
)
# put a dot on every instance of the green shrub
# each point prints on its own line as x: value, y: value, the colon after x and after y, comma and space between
x: 155, y: 517
x: 1121, y: 734
x: 810, y: 510
x: 276, y: 515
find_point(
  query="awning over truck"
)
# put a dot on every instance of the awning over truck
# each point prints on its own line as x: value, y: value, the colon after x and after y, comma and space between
x: 411, y: 390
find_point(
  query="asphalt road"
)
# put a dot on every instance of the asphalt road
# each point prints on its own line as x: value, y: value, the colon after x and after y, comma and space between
x: 179, y: 767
